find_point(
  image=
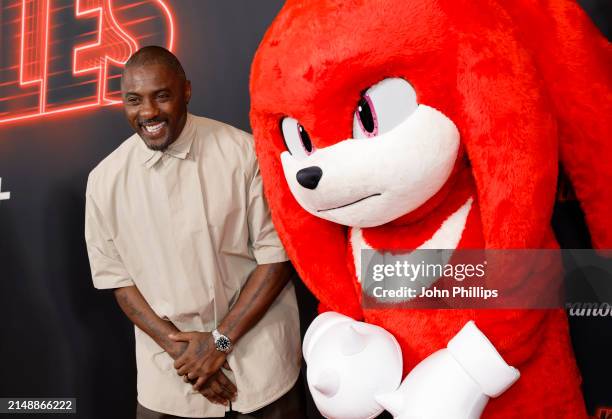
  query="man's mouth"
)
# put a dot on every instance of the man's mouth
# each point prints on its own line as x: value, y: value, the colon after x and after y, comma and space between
x: 350, y: 203
x: 154, y: 128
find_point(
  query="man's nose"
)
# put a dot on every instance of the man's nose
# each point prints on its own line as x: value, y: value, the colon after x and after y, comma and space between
x: 309, y: 177
x: 148, y: 110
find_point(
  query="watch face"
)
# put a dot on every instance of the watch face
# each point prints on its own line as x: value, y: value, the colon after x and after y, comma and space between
x: 223, y: 344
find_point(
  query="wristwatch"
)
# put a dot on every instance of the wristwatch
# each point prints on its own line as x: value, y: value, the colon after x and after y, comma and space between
x: 222, y: 342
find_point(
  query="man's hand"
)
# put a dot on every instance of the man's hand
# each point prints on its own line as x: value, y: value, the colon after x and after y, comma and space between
x: 202, y: 362
x: 219, y: 389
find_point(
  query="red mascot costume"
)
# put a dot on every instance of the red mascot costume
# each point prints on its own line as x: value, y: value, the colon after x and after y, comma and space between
x: 436, y: 124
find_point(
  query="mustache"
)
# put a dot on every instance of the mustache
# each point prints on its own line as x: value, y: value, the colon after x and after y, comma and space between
x: 152, y: 121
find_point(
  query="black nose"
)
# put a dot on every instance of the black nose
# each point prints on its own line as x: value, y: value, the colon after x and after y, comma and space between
x: 309, y: 177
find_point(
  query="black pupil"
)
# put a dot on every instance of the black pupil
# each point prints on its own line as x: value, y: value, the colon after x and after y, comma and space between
x: 365, y: 115
x: 305, y: 139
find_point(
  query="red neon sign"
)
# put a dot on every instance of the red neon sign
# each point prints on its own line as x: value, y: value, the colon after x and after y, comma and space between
x: 64, y: 55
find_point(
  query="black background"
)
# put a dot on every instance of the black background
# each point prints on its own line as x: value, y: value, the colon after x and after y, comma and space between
x: 62, y: 338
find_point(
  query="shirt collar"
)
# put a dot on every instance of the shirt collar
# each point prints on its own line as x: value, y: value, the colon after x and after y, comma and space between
x: 179, y: 148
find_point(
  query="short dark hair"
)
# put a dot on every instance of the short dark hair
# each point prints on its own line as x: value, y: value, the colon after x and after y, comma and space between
x: 154, y: 54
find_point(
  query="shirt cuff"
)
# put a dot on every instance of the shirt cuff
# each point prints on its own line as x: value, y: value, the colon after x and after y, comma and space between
x: 104, y: 283
x: 270, y: 254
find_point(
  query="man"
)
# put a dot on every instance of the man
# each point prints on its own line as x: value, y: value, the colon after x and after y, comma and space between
x: 177, y: 225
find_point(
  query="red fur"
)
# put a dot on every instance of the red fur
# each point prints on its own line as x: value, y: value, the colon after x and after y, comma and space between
x: 575, y: 61
x: 527, y: 83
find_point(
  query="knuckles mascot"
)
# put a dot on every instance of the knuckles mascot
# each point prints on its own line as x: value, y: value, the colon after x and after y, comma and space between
x: 431, y: 124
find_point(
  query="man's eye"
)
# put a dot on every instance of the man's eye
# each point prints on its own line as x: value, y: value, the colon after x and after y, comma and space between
x: 132, y: 100
x: 163, y: 96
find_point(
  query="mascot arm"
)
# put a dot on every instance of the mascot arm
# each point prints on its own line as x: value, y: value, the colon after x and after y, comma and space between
x: 509, y: 130
x: 464, y: 375
x: 515, y: 334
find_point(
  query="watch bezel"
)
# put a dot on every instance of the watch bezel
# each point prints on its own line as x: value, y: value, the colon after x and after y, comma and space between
x: 223, y: 343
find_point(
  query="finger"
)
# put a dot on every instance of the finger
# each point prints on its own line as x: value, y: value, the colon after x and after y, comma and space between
x: 226, y: 365
x: 220, y: 390
x: 183, y: 370
x: 206, y: 392
x: 202, y: 374
x: 227, y: 383
x: 185, y: 379
x: 181, y: 336
x: 192, y: 376
x: 182, y: 360
x: 198, y: 384
x: 212, y: 397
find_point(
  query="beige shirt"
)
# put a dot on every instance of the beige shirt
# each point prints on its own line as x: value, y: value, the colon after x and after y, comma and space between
x: 187, y: 226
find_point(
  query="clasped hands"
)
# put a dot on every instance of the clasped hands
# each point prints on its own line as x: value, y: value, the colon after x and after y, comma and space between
x: 200, y: 364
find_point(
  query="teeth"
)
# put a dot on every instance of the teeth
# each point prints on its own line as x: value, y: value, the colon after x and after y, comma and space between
x: 152, y: 129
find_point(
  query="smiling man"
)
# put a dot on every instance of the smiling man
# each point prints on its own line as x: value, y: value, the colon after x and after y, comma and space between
x: 177, y: 224
x: 158, y: 77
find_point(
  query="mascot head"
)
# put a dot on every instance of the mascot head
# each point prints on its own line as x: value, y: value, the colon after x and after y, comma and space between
x: 373, y: 113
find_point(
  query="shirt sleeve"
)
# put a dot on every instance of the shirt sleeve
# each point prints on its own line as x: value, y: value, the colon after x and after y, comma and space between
x: 264, y: 240
x: 107, y: 269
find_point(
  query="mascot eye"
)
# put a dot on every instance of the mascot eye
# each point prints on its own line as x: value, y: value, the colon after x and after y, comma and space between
x: 296, y: 138
x: 367, y: 117
x: 383, y: 107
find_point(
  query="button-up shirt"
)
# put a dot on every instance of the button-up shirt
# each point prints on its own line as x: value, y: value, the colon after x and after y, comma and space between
x: 187, y: 226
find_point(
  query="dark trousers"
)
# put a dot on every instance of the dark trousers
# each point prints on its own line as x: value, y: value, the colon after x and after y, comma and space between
x: 291, y: 405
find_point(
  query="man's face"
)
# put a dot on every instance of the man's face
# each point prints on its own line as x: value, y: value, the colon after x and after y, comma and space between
x: 155, y: 102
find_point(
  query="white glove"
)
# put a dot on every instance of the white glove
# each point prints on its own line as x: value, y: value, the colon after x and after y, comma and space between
x: 453, y: 383
x: 349, y: 362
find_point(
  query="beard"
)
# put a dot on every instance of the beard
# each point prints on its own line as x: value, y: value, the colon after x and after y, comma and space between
x: 159, y: 146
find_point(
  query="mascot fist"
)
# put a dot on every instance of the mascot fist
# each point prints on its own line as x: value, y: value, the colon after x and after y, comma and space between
x: 349, y: 363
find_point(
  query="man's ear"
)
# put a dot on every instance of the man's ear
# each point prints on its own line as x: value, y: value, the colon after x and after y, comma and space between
x: 187, y: 91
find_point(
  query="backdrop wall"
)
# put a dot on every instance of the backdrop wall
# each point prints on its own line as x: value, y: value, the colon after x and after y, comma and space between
x: 59, y: 337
